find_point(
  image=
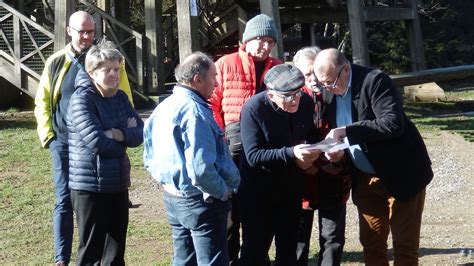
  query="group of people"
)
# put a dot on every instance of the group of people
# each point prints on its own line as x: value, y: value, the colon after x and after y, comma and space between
x: 234, y: 137
x: 230, y: 151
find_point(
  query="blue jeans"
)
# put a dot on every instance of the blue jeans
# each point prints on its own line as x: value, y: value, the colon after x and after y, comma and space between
x: 199, y: 230
x: 63, y: 224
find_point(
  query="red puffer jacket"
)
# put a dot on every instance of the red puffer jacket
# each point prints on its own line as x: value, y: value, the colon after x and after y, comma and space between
x: 236, y: 84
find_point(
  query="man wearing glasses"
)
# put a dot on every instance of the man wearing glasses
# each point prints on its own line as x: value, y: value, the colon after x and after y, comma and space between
x: 240, y: 76
x: 328, y: 190
x: 275, y: 124
x: 52, y: 101
x: 391, y: 165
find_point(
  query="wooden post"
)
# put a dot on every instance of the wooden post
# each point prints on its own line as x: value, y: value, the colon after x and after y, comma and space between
x: 99, y: 23
x: 417, y: 52
x: 122, y: 13
x: 62, y: 12
x: 18, y: 44
x: 360, y: 51
x: 169, y: 37
x: 270, y: 8
x: 312, y: 33
x: 188, y: 38
x: 155, y: 83
x: 242, y: 20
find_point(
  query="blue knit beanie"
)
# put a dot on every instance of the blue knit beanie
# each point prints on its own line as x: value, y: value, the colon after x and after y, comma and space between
x: 259, y: 26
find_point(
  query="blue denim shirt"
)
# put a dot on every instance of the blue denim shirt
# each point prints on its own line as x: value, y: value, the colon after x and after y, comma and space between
x: 185, y: 148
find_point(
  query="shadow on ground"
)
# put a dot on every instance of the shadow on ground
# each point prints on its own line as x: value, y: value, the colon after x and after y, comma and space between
x: 9, y: 123
x: 457, y: 116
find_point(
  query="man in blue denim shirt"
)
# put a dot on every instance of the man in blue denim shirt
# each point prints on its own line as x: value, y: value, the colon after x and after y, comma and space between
x: 186, y: 153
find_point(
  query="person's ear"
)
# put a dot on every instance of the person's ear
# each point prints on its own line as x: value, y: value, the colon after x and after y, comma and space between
x: 270, y: 94
x: 91, y: 73
x: 197, y: 78
x: 68, y: 30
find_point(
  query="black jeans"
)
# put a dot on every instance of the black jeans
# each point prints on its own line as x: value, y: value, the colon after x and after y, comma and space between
x: 332, y: 224
x: 102, y: 221
x: 233, y: 233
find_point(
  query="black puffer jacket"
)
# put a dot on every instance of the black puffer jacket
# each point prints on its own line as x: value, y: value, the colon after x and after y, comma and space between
x: 96, y: 162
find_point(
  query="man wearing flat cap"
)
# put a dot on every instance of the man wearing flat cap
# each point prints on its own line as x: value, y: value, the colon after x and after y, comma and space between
x: 275, y: 124
x: 240, y: 76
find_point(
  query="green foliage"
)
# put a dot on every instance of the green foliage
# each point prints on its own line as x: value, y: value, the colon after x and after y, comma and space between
x: 447, y: 32
x: 388, y: 46
x: 446, y: 26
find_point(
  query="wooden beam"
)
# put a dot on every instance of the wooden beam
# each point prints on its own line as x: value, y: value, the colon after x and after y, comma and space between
x: 155, y: 83
x: 188, y: 38
x: 360, y: 50
x: 313, y: 15
x: 433, y: 75
x: 388, y: 13
x: 62, y: 11
x: 417, y: 51
x: 270, y: 8
x: 17, y: 48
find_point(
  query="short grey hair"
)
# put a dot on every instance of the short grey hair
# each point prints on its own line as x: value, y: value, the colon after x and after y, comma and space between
x: 100, y: 53
x: 306, y: 53
x: 197, y: 63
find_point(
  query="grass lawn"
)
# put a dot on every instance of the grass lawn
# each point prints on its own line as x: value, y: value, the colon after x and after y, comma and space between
x: 27, y: 197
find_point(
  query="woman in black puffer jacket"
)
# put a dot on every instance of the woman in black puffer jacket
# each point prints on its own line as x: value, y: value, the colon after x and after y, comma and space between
x: 101, y: 124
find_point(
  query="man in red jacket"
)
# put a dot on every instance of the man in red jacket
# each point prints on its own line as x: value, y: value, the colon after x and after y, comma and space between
x: 240, y: 76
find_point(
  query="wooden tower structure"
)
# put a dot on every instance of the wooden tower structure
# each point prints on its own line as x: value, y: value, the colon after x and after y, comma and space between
x: 31, y: 30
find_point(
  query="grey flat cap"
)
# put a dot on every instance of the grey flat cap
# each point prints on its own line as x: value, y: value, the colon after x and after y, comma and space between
x: 284, y: 78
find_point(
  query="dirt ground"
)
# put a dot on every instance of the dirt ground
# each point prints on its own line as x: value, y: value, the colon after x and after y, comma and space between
x: 447, y: 234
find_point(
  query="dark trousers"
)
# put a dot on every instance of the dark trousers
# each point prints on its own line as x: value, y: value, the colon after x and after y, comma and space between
x: 233, y: 233
x: 332, y: 224
x: 262, y: 219
x: 102, y: 221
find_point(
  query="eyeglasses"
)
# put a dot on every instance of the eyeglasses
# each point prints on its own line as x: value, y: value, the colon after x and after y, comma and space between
x: 83, y: 32
x: 289, y: 97
x: 334, y: 84
x: 269, y: 41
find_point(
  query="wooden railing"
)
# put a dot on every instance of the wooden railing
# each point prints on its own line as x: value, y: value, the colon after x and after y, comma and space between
x: 433, y: 75
x: 24, y: 47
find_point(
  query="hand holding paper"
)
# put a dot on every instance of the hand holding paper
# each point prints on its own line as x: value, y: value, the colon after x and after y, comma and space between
x: 337, y: 134
x: 305, y: 157
x: 327, y: 145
